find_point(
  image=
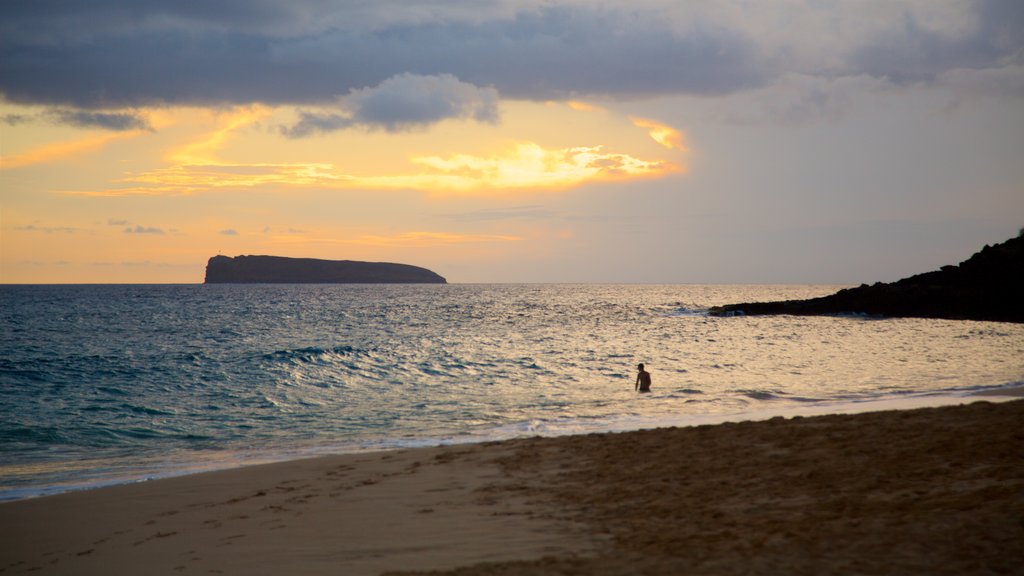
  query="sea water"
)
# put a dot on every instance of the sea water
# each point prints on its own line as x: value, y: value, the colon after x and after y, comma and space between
x: 108, y: 384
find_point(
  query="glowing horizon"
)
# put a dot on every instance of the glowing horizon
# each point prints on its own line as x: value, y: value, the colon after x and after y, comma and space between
x: 561, y: 140
x: 200, y: 156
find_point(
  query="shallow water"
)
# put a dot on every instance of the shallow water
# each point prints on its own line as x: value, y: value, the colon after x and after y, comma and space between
x: 104, y: 384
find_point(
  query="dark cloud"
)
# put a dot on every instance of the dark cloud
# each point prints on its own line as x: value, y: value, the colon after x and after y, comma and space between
x: 105, y: 120
x: 229, y: 232
x: 139, y: 229
x: 317, y: 122
x: 47, y: 229
x: 404, y: 102
x: 409, y: 100
x: 15, y: 119
x: 914, y: 52
x: 113, y: 54
x: 71, y: 21
x: 83, y: 119
x: 539, y: 54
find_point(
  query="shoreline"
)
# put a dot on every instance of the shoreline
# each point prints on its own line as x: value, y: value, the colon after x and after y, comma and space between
x: 227, y: 461
x: 365, y: 512
x: 707, y: 498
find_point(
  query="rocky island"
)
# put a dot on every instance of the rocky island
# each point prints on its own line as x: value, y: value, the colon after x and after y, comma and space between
x: 278, y: 269
x: 987, y: 286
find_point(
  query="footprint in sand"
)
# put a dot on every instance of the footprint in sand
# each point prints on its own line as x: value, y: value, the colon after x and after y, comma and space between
x: 156, y: 536
x: 259, y: 494
x: 229, y: 540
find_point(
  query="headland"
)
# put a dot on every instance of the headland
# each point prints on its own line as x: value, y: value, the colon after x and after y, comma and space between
x: 987, y: 286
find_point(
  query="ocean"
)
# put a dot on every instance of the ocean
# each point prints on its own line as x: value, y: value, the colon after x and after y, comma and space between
x: 109, y: 384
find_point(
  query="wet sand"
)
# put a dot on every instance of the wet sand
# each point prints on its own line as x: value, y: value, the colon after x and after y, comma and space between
x: 351, y: 514
x: 927, y: 491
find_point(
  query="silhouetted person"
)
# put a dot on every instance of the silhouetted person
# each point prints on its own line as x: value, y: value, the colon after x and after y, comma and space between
x: 643, y: 379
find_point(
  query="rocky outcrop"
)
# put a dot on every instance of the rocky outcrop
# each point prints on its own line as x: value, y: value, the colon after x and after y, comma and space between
x: 277, y: 269
x: 987, y: 286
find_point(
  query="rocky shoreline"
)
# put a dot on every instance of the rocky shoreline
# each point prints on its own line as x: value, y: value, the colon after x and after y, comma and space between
x: 987, y: 286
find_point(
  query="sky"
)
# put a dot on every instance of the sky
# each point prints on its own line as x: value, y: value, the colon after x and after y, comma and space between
x: 654, y: 141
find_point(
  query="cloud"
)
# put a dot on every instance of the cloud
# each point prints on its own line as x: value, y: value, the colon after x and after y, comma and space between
x: 111, y: 54
x: 145, y: 54
x: 919, y: 47
x: 193, y: 178
x: 404, y: 102
x: 798, y: 98
x: 15, y: 119
x: 205, y: 149
x: 667, y: 136
x: 61, y: 150
x: 584, y: 106
x: 119, y: 121
x: 522, y: 167
x: 317, y: 122
x: 229, y: 232
x: 529, y: 166
x: 47, y: 229
x: 139, y: 229
x: 411, y: 100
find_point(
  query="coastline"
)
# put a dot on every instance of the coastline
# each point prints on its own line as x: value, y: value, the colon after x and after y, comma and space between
x: 877, y: 492
x: 359, y: 513
x: 200, y: 463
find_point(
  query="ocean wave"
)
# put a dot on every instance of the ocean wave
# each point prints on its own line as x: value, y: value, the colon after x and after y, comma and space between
x: 763, y: 395
x: 146, y: 410
x: 13, y: 436
x: 312, y: 354
x: 201, y: 371
x: 686, y: 311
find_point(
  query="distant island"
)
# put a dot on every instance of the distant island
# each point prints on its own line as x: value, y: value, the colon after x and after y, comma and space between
x: 987, y: 286
x: 282, y: 270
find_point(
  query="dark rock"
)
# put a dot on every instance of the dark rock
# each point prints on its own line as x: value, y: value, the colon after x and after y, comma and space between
x: 277, y: 269
x: 987, y: 286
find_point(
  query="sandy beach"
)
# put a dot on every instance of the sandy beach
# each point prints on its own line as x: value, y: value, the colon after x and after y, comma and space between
x: 926, y: 491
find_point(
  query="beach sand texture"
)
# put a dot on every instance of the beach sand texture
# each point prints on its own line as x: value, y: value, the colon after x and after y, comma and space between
x: 927, y: 491
x: 352, y: 514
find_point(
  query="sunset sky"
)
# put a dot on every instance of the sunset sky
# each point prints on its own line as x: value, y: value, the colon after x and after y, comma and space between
x: 653, y: 141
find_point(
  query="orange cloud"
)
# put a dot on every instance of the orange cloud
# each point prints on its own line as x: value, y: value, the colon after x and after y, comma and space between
x: 665, y: 135
x: 186, y: 179
x: 583, y: 106
x: 524, y: 166
x: 63, y: 150
x: 204, y: 150
x: 528, y: 165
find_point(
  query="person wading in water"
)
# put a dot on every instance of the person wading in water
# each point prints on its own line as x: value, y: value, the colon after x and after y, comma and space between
x: 643, y: 379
